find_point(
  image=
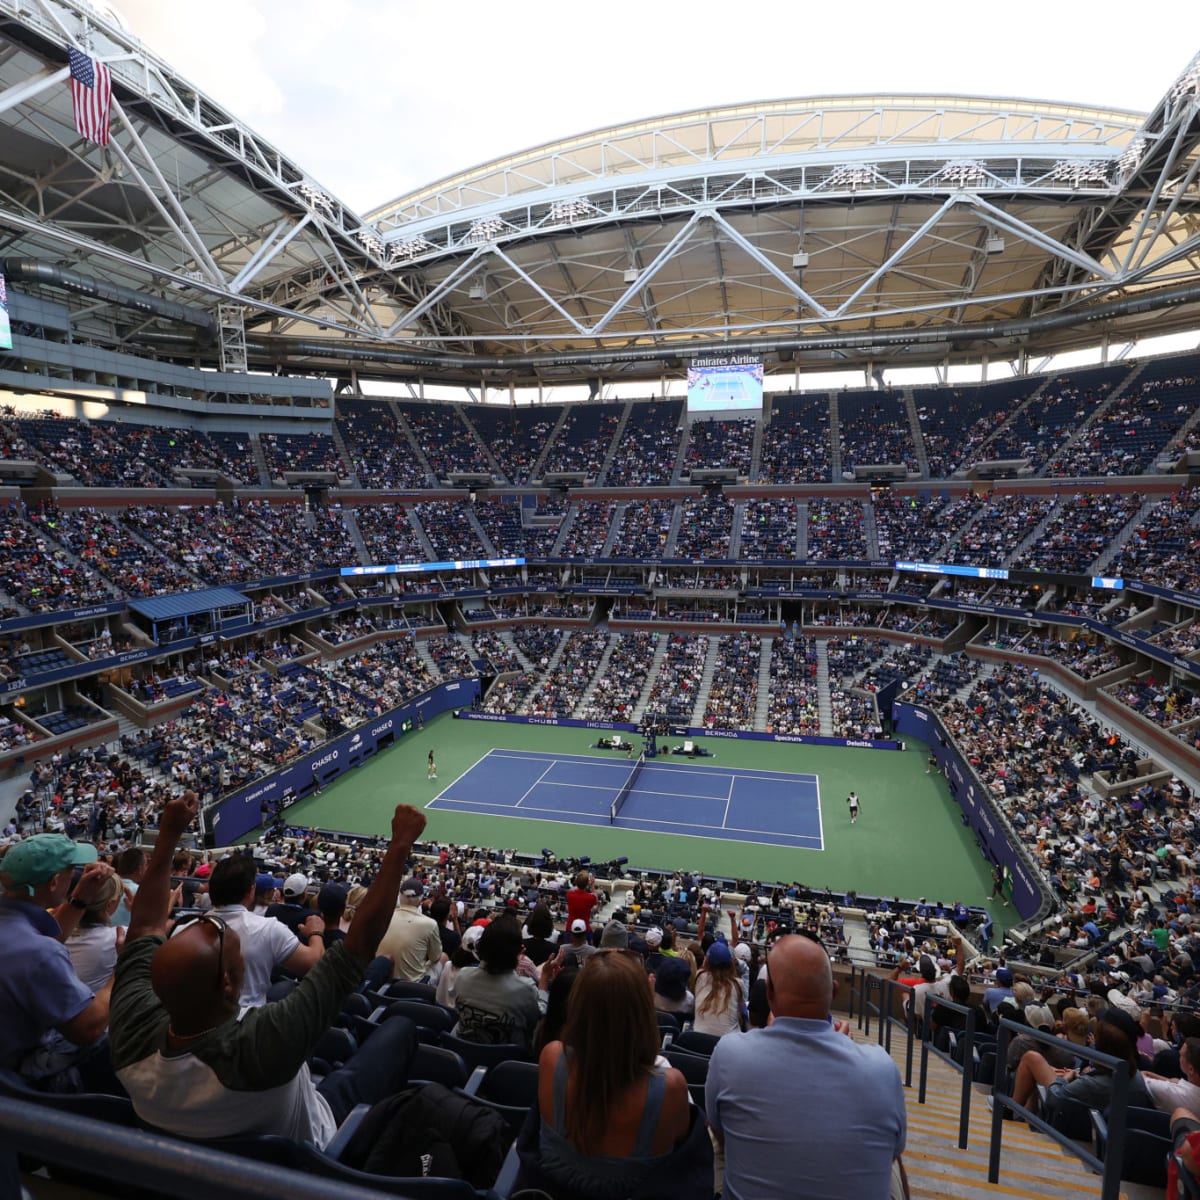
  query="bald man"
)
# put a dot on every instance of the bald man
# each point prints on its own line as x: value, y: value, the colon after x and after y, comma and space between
x: 196, y: 1064
x: 804, y: 1113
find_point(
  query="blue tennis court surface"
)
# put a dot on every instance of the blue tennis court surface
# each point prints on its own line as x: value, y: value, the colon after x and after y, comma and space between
x: 772, y: 808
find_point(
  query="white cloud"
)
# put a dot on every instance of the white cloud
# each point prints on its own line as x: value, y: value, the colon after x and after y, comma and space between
x: 377, y: 97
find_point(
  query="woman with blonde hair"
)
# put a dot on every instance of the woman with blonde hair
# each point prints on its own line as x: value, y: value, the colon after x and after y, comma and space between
x: 718, y: 989
x: 612, y: 1114
x: 94, y: 944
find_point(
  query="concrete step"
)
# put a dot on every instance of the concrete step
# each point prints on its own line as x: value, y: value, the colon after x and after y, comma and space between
x: 1032, y: 1167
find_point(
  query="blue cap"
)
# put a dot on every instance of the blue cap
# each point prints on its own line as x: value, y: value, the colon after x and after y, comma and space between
x: 264, y: 883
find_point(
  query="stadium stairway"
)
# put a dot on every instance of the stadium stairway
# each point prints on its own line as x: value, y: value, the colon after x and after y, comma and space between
x: 618, y: 435
x: 706, y: 679
x: 1035, y: 534
x: 802, y: 530
x: 414, y: 444
x: 1031, y: 402
x: 598, y: 674
x: 835, y: 438
x: 871, y: 531
x: 614, y: 526
x: 673, y: 531
x: 344, y: 450
x: 540, y: 465
x: 1032, y: 1167
x: 260, y: 461
x: 762, y: 703
x: 507, y: 638
x: 364, y: 555
x: 656, y: 663
x: 824, y: 704
x: 918, y: 436
x: 1115, y: 546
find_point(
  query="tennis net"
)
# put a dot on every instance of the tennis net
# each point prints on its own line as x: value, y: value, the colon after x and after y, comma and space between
x: 627, y: 787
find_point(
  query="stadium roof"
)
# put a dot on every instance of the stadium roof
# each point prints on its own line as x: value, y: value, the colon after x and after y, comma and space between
x: 832, y: 230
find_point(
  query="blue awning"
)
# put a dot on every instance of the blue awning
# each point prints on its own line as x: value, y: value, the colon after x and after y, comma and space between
x: 187, y: 604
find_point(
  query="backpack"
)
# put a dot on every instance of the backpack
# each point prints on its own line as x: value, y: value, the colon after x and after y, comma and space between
x: 431, y: 1131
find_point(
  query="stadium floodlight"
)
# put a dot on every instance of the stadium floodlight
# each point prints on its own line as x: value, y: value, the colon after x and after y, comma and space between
x: 486, y: 229
x: 1080, y: 173
x: 1188, y: 84
x: 316, y: 198
x: 406, y: 249
x: 994, y: 245
x: 632, y: 275
x: 851, y: 175
x: 964, y: 173
x: 477, y: 291
x: 569, y: 211
x: 370, y: 241
x: 800, y: 260
x: 1131, y: 157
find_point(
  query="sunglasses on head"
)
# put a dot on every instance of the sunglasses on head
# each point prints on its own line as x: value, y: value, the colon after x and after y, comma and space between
x: 219, y: 924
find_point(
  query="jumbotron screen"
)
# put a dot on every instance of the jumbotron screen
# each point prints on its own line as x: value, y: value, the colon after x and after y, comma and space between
x: 730, y: 383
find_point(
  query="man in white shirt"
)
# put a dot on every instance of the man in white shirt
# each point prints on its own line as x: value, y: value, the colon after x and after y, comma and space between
x: 1169, y: 1094
x: 266, y: 942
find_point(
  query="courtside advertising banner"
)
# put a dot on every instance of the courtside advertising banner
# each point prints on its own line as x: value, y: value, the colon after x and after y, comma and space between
x: 5, y: 327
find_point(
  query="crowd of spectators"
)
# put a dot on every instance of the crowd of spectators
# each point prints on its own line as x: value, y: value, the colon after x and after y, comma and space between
x: 304, y: 453
x: 768, y: 529
x: 677, y: 683
x: 1079, y: 531
x: 649, y: 446
x: 449, y: 529
x: 714, y: 443
x: 645, y: 528
x: 563, y: 687
x: 917, y: 527
x: 835, y: 530
x: 590, y: 522
x: 584, y: 439
x: 615, y: 696
x: 1164, y: 547
x: 795, y: 441
x: 387, y: 534
x: 39, y: 575
x: 380, y: 452
x: 873, y: 428
x: 501, y: 520
x: 705, y: 527
x: 1129, y: 433
x: 514, y: 436
x: 794, y: 701
x: 1004, y: 523
x: 733, y: 692
x: 446, y: 440
x: 489, y: 645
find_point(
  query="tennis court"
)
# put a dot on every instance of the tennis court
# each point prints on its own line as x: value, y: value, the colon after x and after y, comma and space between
x: 736, y: 804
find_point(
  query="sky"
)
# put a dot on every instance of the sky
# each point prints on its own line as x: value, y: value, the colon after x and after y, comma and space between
x: 375, y: 98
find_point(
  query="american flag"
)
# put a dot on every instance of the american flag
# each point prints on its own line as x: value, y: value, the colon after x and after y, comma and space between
x: 91, y: 94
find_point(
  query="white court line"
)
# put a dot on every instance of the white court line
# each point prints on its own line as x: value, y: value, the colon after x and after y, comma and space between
x: 728, y: 801
x: 454, y: 781
x: 542, y: 756
x: 524, y: 814
x: 751, y: 772
x: 599, y: 819
x: 638, y: 790
x: 534, y: 784
x: 820, y: 819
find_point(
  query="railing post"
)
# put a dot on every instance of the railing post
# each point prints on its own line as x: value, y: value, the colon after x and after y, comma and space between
x: 998, y: 1110
x: 1114, y: 1154
x: 885, y: 990
x: 911, y: 1024
x: 924, y: 1072
x: 968, y: 1077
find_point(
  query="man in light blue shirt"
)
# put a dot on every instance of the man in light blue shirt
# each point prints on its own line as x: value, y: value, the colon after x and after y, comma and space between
x: 803, y: 1112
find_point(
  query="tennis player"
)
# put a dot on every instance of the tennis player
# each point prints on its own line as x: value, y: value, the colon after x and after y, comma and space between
x: 852, y: 804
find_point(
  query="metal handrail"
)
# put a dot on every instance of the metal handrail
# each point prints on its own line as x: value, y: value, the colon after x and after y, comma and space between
x: 138, y: 1159
x: 1109, y: 1168
x: 894, y: 986
x: 967, y: 1066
